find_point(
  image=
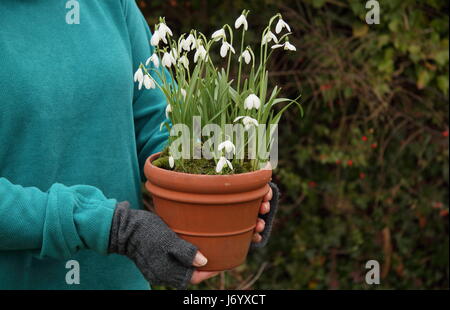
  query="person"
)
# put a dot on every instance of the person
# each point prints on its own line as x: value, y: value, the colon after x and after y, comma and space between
x: 74, y: 135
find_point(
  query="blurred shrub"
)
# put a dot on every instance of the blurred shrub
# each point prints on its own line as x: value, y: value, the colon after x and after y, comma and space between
x: 365, y: 176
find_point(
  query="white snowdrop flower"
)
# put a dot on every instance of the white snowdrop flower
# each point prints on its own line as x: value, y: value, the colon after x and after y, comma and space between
x: 191, y: 40
x: 154, y: 59
x: 246, y: 56
x: 156, y: 37
x: 183, y: 93
x: 251, y: 102
x: 242, y: 20
x: 138, y: 75
x: 171, y: 161
x: 221, y: 163
x: 161, y: 126
x: 238, y: 118
x: 168, y: 60
x: 164, y: 40
x: 225, y: 48
x: 168, y: 110
x: 196, y: 44
x: 219, y: 34
x: 184, y: 61
x: 280, y: 25
x: 247, y: 121
x: 228, y: 146
x: 164, y: 30
x: 287, y: 46
x: 269, y: 37
x: 200, y: 53
x: 149, y: 83
x: 185, y: 45
x: 193, y: 44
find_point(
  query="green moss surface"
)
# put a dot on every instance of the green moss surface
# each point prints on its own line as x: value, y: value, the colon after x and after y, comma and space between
x: 200, y: 166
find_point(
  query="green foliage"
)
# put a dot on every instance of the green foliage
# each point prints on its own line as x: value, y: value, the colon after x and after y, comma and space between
x: 199, y: 166
x: 365, y: 174
x: 205, y: 90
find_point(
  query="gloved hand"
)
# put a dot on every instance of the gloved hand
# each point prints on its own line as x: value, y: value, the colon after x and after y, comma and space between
x: 161, y: 256
x: 267, y: 214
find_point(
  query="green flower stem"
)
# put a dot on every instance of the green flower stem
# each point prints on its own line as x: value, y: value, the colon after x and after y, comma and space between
x: 240, y: 62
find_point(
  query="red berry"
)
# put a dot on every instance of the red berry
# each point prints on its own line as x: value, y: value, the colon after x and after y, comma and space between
x: 325, y: 87
x: 362, y: 175
x: 445, y: 133
x: 437, y: 205
x: 364, y: 138
x: 312, y: 184
x: 350, y: 162
x: 374, y: 145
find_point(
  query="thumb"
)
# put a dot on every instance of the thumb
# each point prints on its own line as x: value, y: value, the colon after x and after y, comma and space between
x: 199, y: 260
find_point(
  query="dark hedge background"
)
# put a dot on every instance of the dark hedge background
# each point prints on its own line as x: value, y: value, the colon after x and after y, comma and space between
x: 364, y: 174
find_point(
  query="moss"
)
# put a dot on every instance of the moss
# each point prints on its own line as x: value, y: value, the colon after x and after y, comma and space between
x: 200, y: 166
x: 162, y: 162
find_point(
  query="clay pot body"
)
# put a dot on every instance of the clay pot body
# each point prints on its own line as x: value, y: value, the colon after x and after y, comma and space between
x: 217, y: 213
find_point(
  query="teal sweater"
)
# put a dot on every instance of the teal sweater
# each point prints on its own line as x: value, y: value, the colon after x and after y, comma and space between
x: 74, y: 135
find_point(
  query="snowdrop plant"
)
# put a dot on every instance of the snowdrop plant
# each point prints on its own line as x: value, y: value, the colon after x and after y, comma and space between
x: 195, y: 86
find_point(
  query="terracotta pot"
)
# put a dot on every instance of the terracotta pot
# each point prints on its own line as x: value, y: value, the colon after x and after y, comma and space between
x: 217, y: 213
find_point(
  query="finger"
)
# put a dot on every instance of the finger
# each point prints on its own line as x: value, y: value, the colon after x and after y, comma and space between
x: 199, y: 260
x: 199, y: 276
x: 256, y: 237
x: 260, y: 224
x: 265, y: 208
x: 269, y: 195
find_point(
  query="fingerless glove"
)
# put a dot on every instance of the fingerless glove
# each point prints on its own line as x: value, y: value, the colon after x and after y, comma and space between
x: 161, y: 256
x: 268, y: 218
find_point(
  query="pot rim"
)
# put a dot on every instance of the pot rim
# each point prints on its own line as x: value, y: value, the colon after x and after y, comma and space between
x: 153, y: 157
x: 205, y: 184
